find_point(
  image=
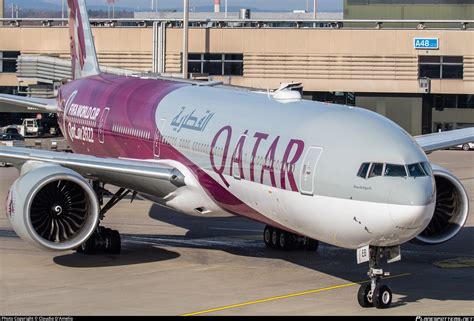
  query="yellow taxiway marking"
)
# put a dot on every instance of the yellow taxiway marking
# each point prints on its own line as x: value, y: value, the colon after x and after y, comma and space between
x: 460, y: 262
x: 239, y: 305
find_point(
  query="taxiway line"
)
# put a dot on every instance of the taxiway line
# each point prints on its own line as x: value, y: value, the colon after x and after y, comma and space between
x: 287, y: 296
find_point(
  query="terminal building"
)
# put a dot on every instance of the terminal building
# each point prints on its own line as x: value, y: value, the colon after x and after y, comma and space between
x: 417, y: 68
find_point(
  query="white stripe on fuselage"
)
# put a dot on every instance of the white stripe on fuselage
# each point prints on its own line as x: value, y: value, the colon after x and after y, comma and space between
x: 341, y: 222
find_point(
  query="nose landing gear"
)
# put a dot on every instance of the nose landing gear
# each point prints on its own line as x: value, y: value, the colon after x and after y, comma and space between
x: 376, y: 294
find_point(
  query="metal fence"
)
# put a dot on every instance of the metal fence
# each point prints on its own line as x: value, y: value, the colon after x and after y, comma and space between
x: 248, y: 23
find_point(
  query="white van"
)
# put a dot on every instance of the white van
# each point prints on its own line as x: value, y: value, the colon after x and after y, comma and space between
x: 29, y: 127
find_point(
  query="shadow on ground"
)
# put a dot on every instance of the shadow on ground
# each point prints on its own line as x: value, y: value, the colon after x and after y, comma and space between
x: 425, y: 281
x: 137, y: 255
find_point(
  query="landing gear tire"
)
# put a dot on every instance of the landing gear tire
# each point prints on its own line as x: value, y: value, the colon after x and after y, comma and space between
x: 267, y: 236
x: 287, y: 241
x: 311, y: 245
x: 88, y: 247
x: 375, y: 294
x: 382, y: 296
x: 276, y: 238
x: 115, y: 242
x: 104, y: 240
x: 364, y: 296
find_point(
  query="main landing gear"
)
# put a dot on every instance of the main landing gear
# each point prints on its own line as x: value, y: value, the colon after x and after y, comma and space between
x: 376, y: 294
x: 105, y: 239
x: 279, y: 239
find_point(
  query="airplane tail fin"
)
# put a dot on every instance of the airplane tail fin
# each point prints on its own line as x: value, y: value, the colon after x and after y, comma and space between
x: 83, y: 54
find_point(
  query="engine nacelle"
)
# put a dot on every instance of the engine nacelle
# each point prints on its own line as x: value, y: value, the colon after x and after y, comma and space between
x: 451, y: 211
x: 52, y: 207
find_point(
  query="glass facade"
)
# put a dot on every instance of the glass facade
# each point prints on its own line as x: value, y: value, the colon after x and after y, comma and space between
x: 404, y: 2
x: 441, y: 102
x: 222, y: 64
x: 8, y: 61
x: 410, y: 10
x: 441, y: 67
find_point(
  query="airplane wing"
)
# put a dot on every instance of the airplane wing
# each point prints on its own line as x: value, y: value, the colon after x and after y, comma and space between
x: 443, y: 140
x: 19, y: 104
x: 148, y: 177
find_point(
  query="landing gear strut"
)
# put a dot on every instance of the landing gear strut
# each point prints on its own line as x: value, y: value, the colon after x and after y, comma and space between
x: 279, y: 239
x: 374, y: 293
x: 105, y: 239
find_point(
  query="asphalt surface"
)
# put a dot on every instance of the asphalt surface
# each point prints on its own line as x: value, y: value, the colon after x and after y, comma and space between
x: 176, y: 264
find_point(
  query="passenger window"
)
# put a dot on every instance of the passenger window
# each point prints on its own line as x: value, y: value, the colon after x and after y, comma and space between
x: 427, y: 168
x: 364, y: 168
x: 376, y: 170
x: 395, y: 170
x: 415, y: 170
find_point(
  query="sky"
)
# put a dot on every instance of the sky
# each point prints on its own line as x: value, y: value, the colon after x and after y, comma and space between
x: 267, y: 5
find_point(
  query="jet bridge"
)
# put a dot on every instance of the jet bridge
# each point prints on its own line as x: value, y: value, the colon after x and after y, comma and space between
x: 42, y: 75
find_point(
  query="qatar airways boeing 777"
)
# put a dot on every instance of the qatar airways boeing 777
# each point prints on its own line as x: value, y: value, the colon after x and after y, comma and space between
x: 309, y: 171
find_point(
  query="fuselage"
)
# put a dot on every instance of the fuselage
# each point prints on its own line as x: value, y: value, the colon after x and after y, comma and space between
x: 293, y: 165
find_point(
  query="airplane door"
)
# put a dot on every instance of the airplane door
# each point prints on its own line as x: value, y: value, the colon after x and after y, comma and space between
x: 102, y: 120
x: 158, y: 140
x: 308, y: 170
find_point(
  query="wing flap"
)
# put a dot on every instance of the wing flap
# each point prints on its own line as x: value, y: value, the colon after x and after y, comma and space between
x: 19, y: 104
x: 149, y: 177
x: 443, y: 140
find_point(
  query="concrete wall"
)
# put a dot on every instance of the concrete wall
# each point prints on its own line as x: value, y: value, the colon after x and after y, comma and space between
x: 330, y: 60
x: 129, y: 48
x: 324, y: 60
x: 348, y: 60
x: 405, y: 111
x: 8, y: 79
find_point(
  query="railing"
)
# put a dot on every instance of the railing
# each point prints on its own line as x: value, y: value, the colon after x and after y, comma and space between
x: 249, y: 23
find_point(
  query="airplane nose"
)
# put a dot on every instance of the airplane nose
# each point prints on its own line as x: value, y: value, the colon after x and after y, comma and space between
x: 411, y: 217
x: 416, y: 203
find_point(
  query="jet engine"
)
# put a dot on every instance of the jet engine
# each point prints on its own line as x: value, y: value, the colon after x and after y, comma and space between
x: 451, y: 211
x: 52, y: 207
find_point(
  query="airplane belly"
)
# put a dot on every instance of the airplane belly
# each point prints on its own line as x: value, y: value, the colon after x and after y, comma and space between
x: 344, y: 223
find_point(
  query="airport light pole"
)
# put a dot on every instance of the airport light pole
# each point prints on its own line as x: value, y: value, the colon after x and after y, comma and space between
x: 315, y: 6
x: 226, y: 9
x: 185, y: 38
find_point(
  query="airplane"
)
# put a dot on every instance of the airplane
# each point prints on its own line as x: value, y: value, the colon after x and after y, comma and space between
x: 310, y: 171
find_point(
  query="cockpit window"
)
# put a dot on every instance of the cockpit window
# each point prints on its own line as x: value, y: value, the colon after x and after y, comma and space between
x: 368, y: 170
x: 376, y: 170
x: 395, y: 170
x: 427, y: 168
x: 364, y: 168
x: 415, y: 170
